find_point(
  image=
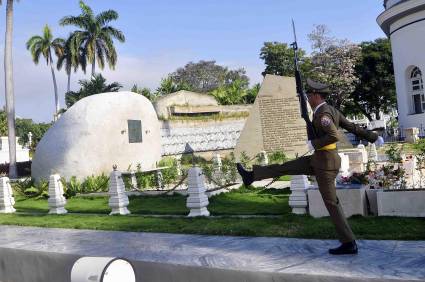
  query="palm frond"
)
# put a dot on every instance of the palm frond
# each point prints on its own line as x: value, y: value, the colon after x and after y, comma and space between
x: 33, y: 40
x: 100, y: 53
x: 85, y: 8
x: 106, y: 16
x: 78, y: 21
x: 115, y: 33
x: 47, y: 33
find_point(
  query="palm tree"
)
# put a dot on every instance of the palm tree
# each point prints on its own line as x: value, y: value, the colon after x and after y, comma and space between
x: 96, y: 35
x: 97, y: 84
x: 71, y: 58
x: 43, y: 45
x: 9, y: 93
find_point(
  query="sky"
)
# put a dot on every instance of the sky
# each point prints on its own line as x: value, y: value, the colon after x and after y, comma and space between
x: 163, y: 35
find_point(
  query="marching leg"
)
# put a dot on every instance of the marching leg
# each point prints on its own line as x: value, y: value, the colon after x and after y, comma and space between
x: 300, y: 166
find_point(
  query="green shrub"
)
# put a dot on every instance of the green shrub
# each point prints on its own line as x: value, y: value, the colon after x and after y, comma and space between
x: 72, y: 188
x: 30, y: 189
x: 277, y: 157
x: 394, y: 153
x: 94, y: 184
x: 186, y: 159
x: 245, y: 160
x: 170, y: 174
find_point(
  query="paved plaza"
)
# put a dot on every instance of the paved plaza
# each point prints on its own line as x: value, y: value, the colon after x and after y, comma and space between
x: 40, y: 252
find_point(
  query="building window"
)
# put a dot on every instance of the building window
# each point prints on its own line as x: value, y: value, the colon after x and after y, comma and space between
x: 417, y: 91
x: 134, y: 131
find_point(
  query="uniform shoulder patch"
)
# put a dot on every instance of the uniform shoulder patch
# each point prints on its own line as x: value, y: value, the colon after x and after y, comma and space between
x: 325, y: 121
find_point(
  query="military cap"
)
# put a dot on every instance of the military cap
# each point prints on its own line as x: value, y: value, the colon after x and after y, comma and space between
x: 314, y: 86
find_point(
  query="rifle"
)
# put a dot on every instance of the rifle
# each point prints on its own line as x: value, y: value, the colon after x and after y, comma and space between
x: 300, y: 90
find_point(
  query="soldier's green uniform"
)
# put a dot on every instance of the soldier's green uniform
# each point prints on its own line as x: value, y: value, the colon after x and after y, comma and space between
x: 324, y: 163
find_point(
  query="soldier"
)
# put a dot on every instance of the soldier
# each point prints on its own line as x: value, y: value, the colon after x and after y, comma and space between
x: 324, y: 163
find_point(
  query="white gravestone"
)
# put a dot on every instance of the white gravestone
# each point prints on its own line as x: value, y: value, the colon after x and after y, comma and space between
x: 344, y: 169
x: 356, y: 160
x: 197, y: 201
x: 413, y: 176
x: 217, y: 174
x: 412, y: 134
x: 179, y: 166
x: 264, y: 159
x: 373, y: 154
x: 365, y: 155
x: 353, y: 201
x: 56, y: 199
x: 118, y: 200
x: 6, y: 196
x: 298, y: 197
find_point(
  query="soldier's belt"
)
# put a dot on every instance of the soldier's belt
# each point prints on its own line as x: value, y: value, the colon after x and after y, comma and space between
x: 328, y: 147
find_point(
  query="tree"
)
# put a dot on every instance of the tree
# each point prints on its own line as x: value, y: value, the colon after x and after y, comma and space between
x: 231, y: 94
x: 71, y: 59
x: 23, y: 127
x: 279, y: 59
x: 144, y: 91
x: 96, y: 85
x: 375, y: 90
x: 43, y: 46
x: 252, y: 93
x: 168, y: 85
x: 9, y: 92
x: 95, y: 36
x: 205, y: 76
x: 333, y: 63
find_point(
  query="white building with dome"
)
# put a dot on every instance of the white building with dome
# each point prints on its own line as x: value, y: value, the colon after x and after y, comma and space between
x: 404, y: 23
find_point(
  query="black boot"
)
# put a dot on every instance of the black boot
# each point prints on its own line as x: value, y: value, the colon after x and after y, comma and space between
x: 345, y: 249
x: 247, y: 176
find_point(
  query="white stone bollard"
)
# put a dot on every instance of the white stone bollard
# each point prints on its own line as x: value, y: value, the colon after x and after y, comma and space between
x: 373, y: 154
x: 6, y: 196
x: 264, y: 160
x: 118, y: 200
x: 197, y: 201
x: 56, y: 199
x: 298, y: 197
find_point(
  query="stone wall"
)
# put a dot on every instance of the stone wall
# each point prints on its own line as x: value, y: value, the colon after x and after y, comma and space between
x: 203, y: 136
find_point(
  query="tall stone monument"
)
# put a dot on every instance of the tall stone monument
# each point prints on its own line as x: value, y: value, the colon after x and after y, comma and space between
x: 274, y: 122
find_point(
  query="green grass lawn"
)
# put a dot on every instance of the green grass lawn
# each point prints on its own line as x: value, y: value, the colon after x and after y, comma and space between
x: 239, y: 202
x: 236, y: 202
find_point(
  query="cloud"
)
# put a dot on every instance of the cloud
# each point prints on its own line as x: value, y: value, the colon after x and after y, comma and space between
x: 34, y: 94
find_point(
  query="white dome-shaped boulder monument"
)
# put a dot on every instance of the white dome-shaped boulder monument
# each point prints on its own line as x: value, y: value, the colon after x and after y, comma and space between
x: 96, y: 132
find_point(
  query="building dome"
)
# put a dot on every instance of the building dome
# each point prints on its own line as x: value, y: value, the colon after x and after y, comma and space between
x: 389, y: 3
x: 404, y: 23
x: 399, y: 14
x: 97, y: 132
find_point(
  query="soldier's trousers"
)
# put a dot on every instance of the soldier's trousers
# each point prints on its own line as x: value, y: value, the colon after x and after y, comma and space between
x: 325, y: 180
